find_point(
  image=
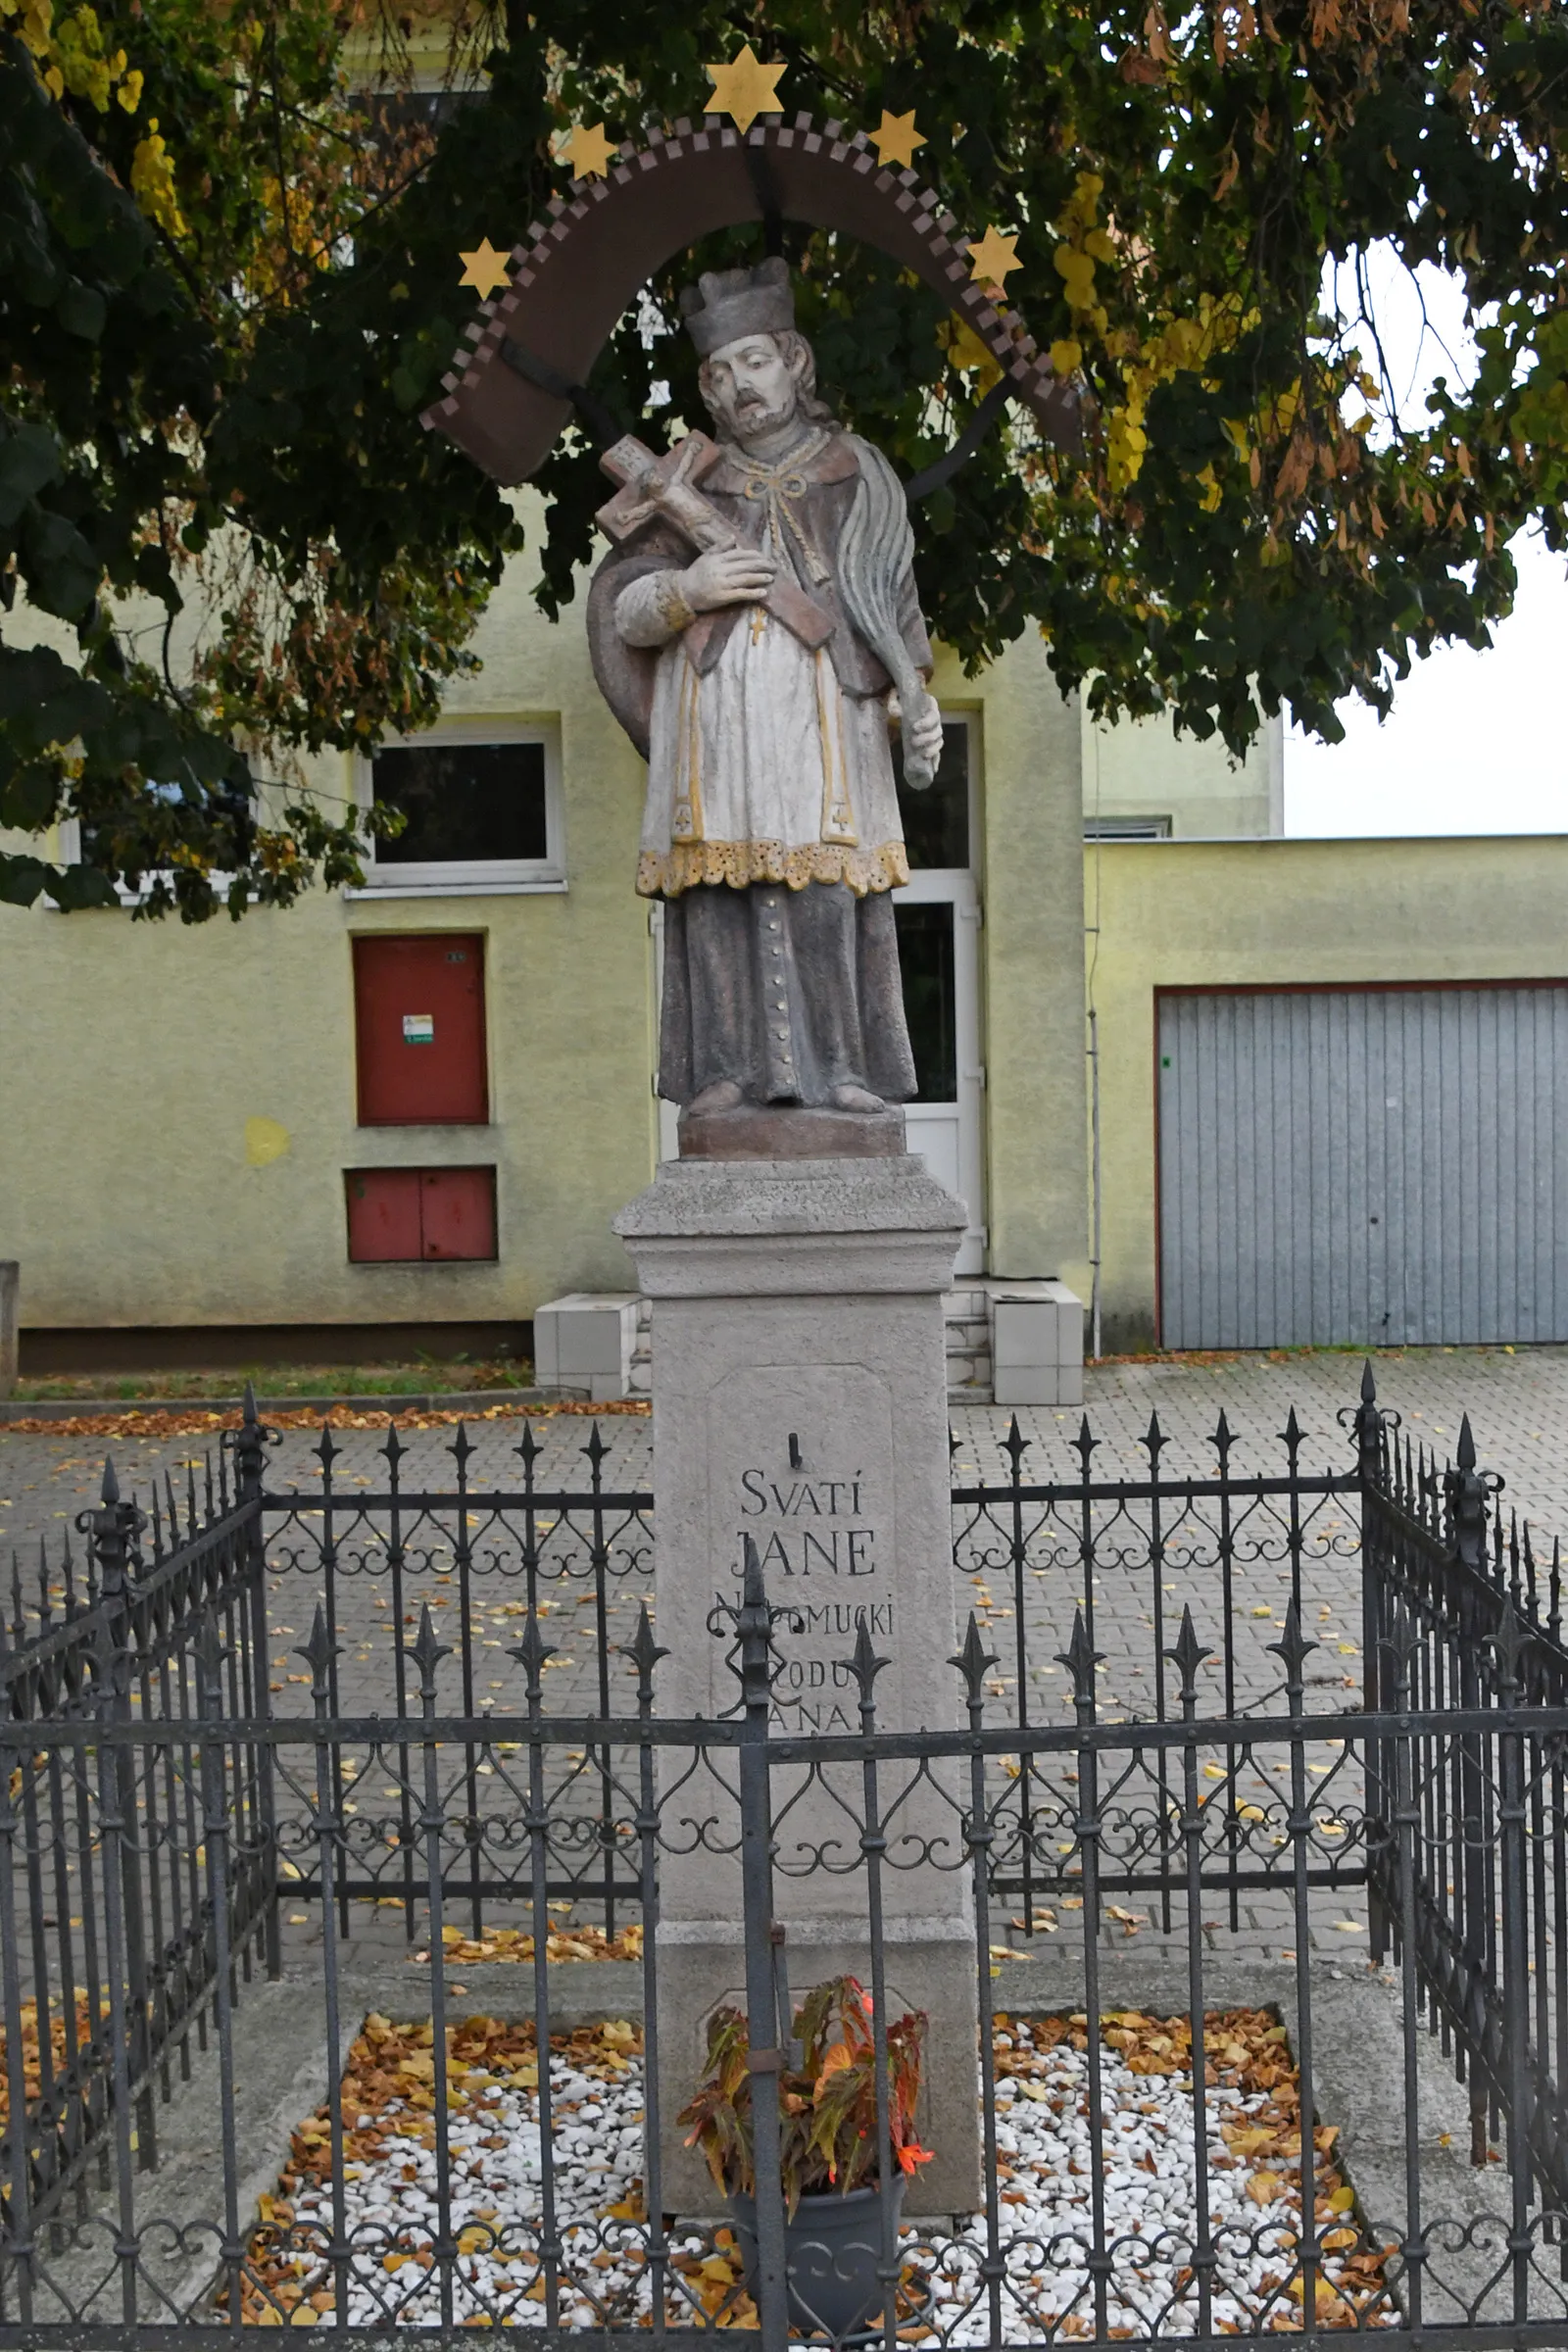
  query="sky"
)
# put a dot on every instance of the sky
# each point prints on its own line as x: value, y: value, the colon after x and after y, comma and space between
x: 1476, y: 741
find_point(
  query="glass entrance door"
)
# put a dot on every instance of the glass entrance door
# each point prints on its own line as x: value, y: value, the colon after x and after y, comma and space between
x: 937, y: 916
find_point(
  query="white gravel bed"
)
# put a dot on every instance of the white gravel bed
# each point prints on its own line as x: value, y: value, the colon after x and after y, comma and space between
x: 1149, y: 2208
x: 391, y: 2216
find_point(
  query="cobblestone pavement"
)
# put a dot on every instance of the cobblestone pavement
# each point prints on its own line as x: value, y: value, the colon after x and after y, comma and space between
x: 1518, y: 1405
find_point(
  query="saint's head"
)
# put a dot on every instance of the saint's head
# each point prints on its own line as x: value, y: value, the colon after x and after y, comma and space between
x: 758, y: 376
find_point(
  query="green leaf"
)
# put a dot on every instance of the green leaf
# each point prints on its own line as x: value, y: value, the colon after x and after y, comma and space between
x: 21, y: 878
x: 29, y: 458
x: 29, y: 797
x: 82, y: 310
x: 60, y: 568
x: 75, y: 888
x: 44, y: 701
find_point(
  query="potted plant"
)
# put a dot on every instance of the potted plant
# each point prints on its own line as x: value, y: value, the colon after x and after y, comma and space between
x: 829, y: 2163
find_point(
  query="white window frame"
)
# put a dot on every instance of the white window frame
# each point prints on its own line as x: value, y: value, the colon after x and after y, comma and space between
x: 68, y: 853
x: 959, y: 887
x: 471, y: 877
x: 1127, y: 828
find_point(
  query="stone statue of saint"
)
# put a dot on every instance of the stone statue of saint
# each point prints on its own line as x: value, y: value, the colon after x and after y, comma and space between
x: 759, y: 660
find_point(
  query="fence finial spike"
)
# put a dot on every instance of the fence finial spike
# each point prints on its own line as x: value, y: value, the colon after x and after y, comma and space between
x: 753, y: 1592
x: 533, y: 1650
x: 1152, y: 1438
x: 1080, y: 1657
x: 642, y: 1650
x: 248, y: 1408
x: 109, y: 1491
x: 1465, y: 1454
x: 866, y: 1665
x: 1292, y: 1646
x: 1188, y: 1652
x: 596, y: 1448
x: 427, y: 1652
x: 973, y: 1659
x: 321, y: 1649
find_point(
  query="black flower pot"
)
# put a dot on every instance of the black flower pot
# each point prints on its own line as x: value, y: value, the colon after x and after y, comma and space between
x: 831, y: 2251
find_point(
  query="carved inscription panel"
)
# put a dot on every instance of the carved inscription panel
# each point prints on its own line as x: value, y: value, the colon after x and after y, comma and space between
x: 801, y: 1462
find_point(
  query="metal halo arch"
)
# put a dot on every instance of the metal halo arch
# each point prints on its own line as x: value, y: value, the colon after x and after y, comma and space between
x: 520, y: 371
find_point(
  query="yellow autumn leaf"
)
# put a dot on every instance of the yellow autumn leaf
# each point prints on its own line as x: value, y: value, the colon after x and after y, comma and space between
x: 1077, y: 272
x: 834, y: 2063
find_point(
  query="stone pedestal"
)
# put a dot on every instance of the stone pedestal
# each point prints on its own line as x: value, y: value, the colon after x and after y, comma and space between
x: 800, y: 1397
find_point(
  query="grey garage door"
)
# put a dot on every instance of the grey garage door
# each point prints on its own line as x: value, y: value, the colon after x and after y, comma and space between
x: 1366, y: 1166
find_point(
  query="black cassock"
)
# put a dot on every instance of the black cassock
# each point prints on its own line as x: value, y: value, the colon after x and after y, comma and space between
x: 787, y: 992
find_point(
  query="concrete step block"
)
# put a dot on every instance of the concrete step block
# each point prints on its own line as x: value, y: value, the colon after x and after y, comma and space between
x: 1039, y: 1343
x: 583, y: 1344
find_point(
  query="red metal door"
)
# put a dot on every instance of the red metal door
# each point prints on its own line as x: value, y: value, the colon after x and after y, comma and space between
x: 457, y: 1212
x: 418, y: 1011
x: 383, y: 1215
x: 400, y: 1215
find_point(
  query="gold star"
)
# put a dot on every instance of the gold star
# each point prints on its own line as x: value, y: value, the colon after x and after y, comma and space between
x: 743, y: 90
x: 587, y: 150
x: 896, y: 138
x: 990, y: 258
x: 484, y: 270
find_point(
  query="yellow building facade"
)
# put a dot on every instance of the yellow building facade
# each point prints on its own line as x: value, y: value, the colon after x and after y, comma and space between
x: 181, y: 1119
x: 181, y: 1106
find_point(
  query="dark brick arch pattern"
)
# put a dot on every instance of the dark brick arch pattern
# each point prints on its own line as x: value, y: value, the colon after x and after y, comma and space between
x: 574, y: 273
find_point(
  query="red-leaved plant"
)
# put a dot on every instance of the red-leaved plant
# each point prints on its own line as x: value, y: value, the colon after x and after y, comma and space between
x: 827, y: 2104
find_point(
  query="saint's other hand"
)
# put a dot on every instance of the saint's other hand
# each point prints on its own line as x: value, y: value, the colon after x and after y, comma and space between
x: 925, y: 735
x: 727, y: 575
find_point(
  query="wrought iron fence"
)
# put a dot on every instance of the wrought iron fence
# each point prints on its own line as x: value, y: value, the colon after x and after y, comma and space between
x: 157, y: 1811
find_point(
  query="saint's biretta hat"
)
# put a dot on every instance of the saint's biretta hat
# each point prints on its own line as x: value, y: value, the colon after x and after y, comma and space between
x: 726, y: 304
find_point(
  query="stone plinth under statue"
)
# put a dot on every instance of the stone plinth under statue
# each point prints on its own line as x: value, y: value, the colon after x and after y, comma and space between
x: 800, y: 1399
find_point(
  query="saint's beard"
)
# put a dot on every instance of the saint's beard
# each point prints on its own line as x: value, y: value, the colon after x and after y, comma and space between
x: 755, y: 420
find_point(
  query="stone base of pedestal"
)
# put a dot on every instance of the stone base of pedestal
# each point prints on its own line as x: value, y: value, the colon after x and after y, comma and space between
x: 800, y: 1401
x: 755, y: 1131
x: 922, y: 1972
